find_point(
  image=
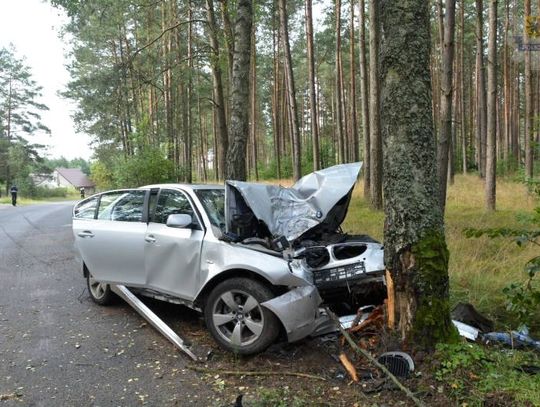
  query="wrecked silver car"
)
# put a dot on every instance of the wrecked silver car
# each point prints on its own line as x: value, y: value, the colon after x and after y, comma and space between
x: 258, y: 260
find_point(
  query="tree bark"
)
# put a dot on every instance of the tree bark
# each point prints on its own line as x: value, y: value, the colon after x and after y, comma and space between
x: 239, y: 126
x: 447, y: 68
x: 415, y: 247
x: 291, y: 92
x: 339, y: 88
x: 528, y: 103
x: 217, y: 90
x: 254, y: 104
x: 491, y: 148
x: 463, y: 122
x: 353, y: 130
x: 312, y: 94
x: 480, y: 92
x: 376, y: 155
x: 364, y: 102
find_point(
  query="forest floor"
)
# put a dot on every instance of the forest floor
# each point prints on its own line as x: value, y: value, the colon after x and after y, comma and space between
x: 462, y: 374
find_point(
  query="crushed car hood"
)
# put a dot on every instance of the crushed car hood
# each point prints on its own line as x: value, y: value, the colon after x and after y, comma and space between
x: 318, y: 200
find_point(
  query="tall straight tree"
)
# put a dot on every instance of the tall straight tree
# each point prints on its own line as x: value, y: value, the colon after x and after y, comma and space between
x: 312, y: 94
x: 353, y: 130
x: 339, y: 88
x: 222, y: 137
x: 491, y: 146
x: 376, y: 155
x: 364, y: 103
x: 480, y: 130
x: 447, y: 91
x: 291, y: 92
x: 415, y: 248
x: 239, y: 126
x: 528, y: 102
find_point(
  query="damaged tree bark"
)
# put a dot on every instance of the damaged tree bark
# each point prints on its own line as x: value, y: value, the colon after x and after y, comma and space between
x: 415, y: 246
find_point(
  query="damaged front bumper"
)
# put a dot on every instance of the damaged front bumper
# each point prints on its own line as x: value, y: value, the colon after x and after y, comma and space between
x: 298, y: 311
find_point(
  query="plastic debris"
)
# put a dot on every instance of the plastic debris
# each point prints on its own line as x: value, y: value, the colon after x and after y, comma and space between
x: 400, y: 364
x: 467, y: 314
x: 515, y: 339
x: 466, y: 331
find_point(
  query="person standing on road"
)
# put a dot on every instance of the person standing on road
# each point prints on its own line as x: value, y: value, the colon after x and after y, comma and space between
x: 81, y: 190
x: 14, y: 191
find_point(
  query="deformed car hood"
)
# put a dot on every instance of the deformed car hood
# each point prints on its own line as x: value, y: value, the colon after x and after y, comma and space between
x: 319, y: 199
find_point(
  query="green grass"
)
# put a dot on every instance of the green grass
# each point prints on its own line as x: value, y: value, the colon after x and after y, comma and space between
x: 479, y: 268
x: 472, y: 373
x: 32, y: 201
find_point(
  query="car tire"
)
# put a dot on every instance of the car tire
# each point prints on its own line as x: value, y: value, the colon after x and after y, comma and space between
x: 237, y: 320
x: 99, y: 292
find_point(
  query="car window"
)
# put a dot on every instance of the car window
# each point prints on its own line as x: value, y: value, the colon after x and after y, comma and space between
x: 86, y: 209
x: 170, y: 203
x: 213, y: 201
x: 122, y: 206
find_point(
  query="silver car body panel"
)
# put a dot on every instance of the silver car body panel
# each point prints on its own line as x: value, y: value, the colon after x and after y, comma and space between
x: 290, y: 212
x: 298, y: 311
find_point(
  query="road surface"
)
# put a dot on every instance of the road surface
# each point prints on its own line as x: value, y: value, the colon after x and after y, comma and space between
x: 58, y: 348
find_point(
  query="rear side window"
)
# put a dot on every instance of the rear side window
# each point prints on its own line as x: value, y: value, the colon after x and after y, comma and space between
x: 86, y: 209
x: 122, y: 206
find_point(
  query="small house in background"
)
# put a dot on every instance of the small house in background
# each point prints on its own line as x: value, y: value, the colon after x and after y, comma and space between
x: 73, y: 178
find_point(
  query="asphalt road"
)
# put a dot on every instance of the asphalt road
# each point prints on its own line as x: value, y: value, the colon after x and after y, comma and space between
x: 58, y: 348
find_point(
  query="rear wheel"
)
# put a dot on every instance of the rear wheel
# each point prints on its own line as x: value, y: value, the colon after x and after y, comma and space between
x: 237, y: 320
x: 99, y: 292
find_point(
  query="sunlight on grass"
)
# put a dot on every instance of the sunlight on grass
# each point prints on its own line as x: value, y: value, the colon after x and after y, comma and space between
x: 479, y: 268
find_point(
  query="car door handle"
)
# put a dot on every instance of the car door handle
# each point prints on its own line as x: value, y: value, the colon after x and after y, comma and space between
x: 150, y: 239
x: 85, y: 233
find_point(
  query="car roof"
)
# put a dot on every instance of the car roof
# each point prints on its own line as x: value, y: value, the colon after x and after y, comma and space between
x: 185, y: 186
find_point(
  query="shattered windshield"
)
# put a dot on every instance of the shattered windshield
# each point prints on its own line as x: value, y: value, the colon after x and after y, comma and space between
x: 213, y: 201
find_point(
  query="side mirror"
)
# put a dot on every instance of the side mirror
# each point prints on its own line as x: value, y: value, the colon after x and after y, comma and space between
x: 179, y: 220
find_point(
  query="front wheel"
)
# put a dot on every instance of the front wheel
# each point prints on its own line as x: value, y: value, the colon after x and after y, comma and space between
x: 237, y: 320
x: 99, y: 292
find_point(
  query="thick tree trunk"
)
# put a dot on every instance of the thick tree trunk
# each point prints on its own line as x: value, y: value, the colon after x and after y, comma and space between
x: 415, y: 247
x: 447, y: 67
x: 364, y: 102
x: 222, y: 136
x: 239, y: 126
x: 312, y: 95
x: 291, y: 92
x: 376, y: 155
x: 491, y: 147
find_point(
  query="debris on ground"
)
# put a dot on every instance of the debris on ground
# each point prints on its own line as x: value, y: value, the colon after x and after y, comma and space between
x: 515, y: 339
x: 467, y: 314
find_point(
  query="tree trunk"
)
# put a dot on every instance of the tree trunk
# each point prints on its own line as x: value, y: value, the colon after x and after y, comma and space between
x: 528, y: 103
x: 353, y: 139
x: 217, y: 90
x: 253, y: 68
x: 312, y: 95
x: 364, y: 103
x: 376, y: 155
x: 480, y: 92
x: 415, y: 247
x: 188, y: 176
x: 491, y: 152
x: 447, y: 68
x: 291, y: 92
x: 339, y: 88
x: 462, y: 89
x: 239, y: 126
